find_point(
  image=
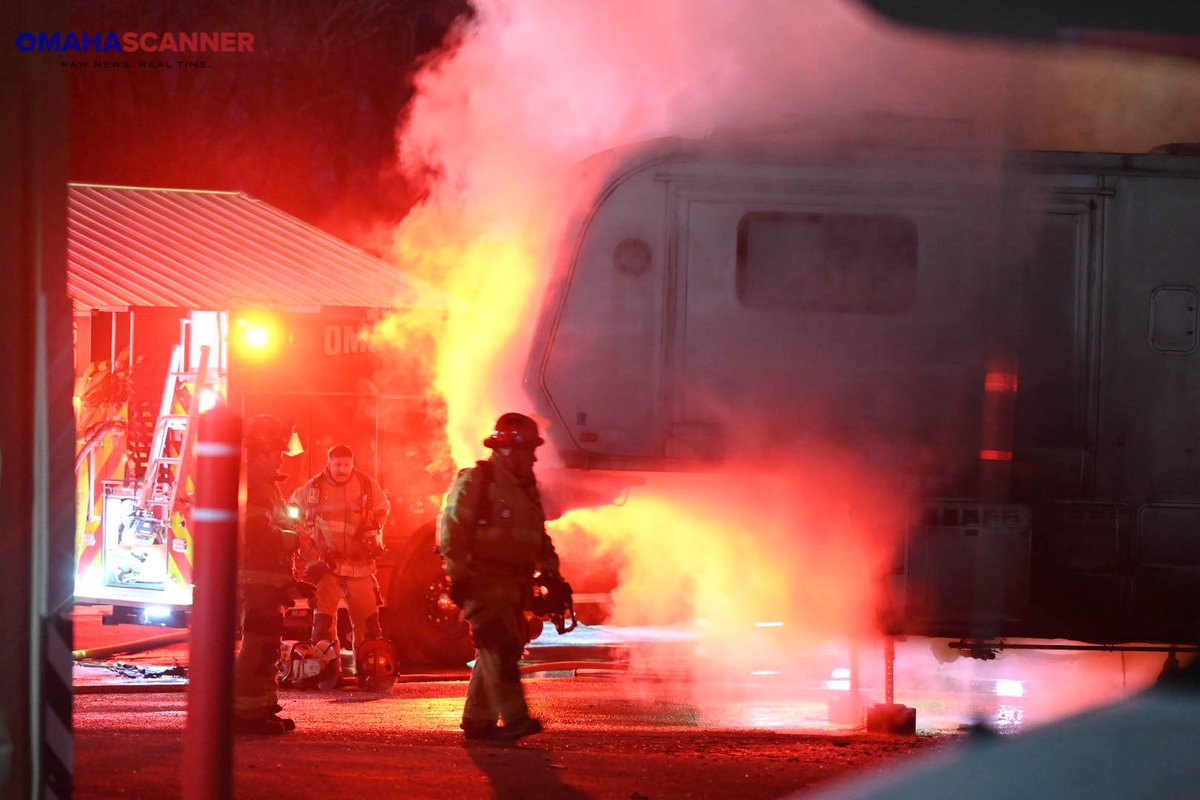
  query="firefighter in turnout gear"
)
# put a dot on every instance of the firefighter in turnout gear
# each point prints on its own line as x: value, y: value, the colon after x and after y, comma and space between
x: 493, y: 538
x: 266, y: 580
x: 343, y: 511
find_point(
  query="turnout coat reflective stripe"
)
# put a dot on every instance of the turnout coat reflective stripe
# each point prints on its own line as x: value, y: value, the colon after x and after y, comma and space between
x: 333, y: 516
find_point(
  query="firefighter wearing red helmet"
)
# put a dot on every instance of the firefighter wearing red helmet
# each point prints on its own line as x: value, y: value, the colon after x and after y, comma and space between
x: 492, y: 536
x: 266, y: 579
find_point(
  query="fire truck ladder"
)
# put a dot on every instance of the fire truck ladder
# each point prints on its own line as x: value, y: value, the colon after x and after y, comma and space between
x: 171, y: 447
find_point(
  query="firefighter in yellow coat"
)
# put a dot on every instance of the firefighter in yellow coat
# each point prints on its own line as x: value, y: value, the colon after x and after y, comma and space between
x: 493, y: 538
x: 343, y: 511
x: 266, y: 580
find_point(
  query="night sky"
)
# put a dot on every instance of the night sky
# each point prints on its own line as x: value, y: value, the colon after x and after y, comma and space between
x: 306, y: 122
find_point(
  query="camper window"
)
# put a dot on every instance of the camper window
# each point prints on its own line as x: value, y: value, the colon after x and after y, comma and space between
x: 826, y: 262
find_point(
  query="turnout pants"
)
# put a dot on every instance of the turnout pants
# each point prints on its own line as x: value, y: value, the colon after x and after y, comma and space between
x: 498, y: 629
x: 256, y: 668
x: 359, y: 592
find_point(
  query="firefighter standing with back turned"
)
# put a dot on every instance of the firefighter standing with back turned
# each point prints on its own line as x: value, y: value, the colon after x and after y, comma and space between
x: 266, y: 580
x: 343, y: 510
x: 493, y: 538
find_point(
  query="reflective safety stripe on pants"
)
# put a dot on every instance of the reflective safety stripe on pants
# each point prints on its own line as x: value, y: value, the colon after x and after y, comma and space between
x: 495, y: 690
x: 359, y: 592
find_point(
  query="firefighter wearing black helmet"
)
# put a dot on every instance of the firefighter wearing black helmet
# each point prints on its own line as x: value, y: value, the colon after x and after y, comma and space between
x: 493, y: 538
x: 265, y: 579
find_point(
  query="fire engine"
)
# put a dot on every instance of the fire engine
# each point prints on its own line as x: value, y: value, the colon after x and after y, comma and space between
x: 184, y: 299
x: 318, y: 370
x: 1012, y: 336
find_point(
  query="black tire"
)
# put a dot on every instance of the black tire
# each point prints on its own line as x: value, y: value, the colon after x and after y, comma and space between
x: 422, y: 622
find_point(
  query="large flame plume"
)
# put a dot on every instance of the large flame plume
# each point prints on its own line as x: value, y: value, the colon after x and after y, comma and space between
x: 798, y: 545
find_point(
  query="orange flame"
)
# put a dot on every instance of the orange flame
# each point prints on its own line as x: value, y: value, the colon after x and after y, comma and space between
x: 798, y: 545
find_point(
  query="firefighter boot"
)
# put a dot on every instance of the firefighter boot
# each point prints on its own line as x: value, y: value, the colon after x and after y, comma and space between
x: 288, y: 724
x: 480, y: 730
x: 518, y: 729
x: 267, y: 725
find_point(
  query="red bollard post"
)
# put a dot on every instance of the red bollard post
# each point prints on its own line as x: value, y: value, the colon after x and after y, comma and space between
x: 208, y: 740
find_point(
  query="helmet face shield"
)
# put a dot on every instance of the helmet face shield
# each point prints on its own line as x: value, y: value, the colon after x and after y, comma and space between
x: 514, y: 431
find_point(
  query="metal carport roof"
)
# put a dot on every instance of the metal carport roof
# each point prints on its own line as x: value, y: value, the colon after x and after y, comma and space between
x: 130, y: 246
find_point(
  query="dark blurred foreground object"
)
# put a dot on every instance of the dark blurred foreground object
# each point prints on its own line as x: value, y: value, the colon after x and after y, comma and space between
x: 266, y: 579
x: 1145, y: 746
x: 1170, y: 27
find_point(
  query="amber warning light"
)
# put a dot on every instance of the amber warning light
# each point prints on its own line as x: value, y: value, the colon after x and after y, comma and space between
x: 257, y: 337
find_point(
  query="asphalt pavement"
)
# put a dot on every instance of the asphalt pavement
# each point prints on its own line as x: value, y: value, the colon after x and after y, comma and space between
x: 614, y: 729
x: 607, y: 737
x: 630, y: 714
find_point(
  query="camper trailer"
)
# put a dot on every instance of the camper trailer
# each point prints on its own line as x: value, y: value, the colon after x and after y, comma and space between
x: 1012, y: 336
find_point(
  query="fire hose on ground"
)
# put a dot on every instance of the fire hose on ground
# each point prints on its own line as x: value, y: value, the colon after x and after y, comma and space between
x: 90, y: 657
x: 534, y: 668
x: 136, y: 646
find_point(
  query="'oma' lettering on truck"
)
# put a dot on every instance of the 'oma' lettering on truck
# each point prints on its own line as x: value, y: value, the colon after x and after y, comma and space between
x: 345, y: 340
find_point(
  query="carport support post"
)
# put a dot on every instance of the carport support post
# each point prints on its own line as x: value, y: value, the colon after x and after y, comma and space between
x: 887, y: 717
x: 208, y: 741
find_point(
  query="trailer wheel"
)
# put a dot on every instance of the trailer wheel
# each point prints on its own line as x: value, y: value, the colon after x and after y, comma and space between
x: 424, y: 624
